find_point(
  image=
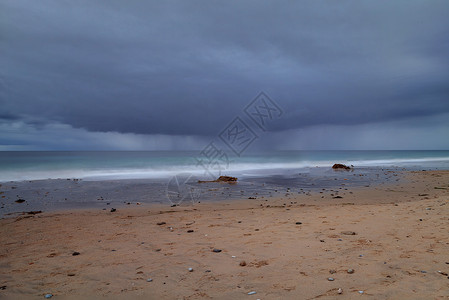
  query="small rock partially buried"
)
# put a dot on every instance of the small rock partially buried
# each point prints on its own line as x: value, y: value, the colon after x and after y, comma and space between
x: 252, y: 293
x: 216, y: 250
x: 348, y: 233
x: 242, y: 263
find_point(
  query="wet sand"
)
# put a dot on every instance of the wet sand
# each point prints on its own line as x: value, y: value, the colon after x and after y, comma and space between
x: 394, y: 236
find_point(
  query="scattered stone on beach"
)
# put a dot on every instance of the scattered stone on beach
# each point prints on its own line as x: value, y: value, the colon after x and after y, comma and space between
x: 76, y: 253
x: 341, y: 166
x: 190, y: 269
x: 298, y: 223
x: 3, y: 287
x: 190, y: 230
x: 216, y: 250
x: 332, y: 271
x: 149, y: 280
x: 242, y: 263
x: 226, y: 179
x: 113, y: 210
x: 361, y: 292
x: 71, y: 274
x: 340, y: 291
x: 350, y: 271
x: 252, y: 293
x: 348, y: 233
x: 161, y: 223
x: 338, y: 197
x: 48, y: 296
x: 20, y: 200
x: 331, y: 279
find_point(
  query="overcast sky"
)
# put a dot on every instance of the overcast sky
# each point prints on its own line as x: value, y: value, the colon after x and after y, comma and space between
x: 149, y: 75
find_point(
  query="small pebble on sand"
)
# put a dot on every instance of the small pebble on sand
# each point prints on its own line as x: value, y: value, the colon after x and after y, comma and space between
x: 251, y: 293
x: 190, y: 269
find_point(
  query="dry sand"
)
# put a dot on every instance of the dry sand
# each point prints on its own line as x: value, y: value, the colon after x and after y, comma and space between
x: 400, y: 249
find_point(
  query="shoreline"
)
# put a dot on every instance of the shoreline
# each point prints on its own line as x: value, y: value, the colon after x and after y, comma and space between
x: 71, y: 193
x: 393, y: 235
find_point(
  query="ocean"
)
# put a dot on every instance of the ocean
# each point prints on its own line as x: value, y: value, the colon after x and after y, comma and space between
x: 113, y: 165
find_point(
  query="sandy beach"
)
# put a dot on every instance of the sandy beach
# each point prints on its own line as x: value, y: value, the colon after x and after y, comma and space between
x: 388, y: 241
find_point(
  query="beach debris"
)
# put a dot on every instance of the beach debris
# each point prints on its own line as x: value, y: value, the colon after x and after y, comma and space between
x: 332, y: 271
x: 443, y: 273
x: 113, y: 210
x: 190, y: 269
x: 216, y: 250
x: 298, y: 223
x: 76, y: 253
x: 48, y: 296
x: 233, y: 256
x: 226, y: 179
x: 190, y: 230
x: 361, y: 292
x: 20, y: 200
x: 350, y: 271
x: 242, y: 263
x: 71, y: 274
x: 348, y: 233
x: 149, y: 280
x: 422, y: 271
x: 161, y: 223
x: 341, y: 166
x: 252, y: 293
x: 340, y: 291
x: 337, y: 197
x: 3, y: 287
x: 208, y: 271
x: 331, y: 279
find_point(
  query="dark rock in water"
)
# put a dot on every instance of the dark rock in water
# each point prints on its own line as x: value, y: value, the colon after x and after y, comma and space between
x: 161, y: 223
x: 348, y: 233
x: 76, y: 253
x: 216, y: 250
x: 20, y: 200
x: 33, y: 212
x: 113, y: 210
x: 227, y: 179
x: 341, y: 166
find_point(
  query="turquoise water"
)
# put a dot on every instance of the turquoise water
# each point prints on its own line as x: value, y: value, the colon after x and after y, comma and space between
x: 163, y: 164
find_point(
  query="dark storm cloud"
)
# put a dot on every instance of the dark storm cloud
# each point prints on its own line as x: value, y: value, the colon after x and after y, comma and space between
x: 189, y: 67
